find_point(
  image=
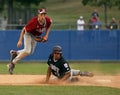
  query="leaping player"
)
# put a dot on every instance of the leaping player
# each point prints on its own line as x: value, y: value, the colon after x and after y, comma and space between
x: 35, y: 27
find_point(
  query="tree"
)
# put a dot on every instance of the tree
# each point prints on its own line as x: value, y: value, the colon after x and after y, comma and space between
x: 29, y: 2
x: 22, y: 2
x: 105, y: 3
x: 10, y: 5
x: 2, y: 5
x: 109, y: 3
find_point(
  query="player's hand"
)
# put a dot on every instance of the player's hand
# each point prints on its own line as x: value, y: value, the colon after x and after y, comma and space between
x: 45, y: 38
x: 39, y: 39
x: 46, y: 82
x: 19, y: 44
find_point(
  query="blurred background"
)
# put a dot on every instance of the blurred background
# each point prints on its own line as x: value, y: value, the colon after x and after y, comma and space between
x: 98, y: 41
x: 63, y: 12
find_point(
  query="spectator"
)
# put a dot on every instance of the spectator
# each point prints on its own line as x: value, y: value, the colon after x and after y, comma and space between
x: 4, y: 23
x: 113, y: 24
x: 112, y: 27
x: 91, y: 22
x: 94, y: 19
x: 119, y: 24
x: 20, y: 26
x: 80, y: 23
x: 97, y: 25
x: 95, y: 13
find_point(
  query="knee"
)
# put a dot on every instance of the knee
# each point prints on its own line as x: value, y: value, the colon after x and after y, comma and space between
x: 28, y: 51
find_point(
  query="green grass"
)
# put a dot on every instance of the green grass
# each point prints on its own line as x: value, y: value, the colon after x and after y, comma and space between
x: 57, y: 90
x: 99, y: 68
x: 109, y: 68
x: 25, y: 68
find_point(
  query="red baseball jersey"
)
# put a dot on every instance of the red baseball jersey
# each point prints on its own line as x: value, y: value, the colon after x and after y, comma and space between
x: 35, y: 28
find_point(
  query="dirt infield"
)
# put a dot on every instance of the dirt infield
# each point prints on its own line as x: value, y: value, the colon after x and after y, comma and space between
x: 109, y: 81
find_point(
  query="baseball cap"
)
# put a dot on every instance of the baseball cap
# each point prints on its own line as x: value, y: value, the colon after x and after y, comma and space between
x: 42, y: 11
x: 81, y: 17
x: 57, y: 49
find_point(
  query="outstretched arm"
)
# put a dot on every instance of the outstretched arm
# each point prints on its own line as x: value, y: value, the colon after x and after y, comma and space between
x: 66, y: 76
x: 19, y: 44
x: 48, y: 74
x: 47, y: 33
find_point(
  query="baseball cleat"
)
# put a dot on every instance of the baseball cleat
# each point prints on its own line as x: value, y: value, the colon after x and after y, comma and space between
x: 86, y: 73
x: 13, y: 54
x: 10, y: 67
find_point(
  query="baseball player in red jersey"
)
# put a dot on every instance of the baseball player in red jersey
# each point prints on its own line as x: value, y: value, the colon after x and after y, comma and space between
x: 34, y: 28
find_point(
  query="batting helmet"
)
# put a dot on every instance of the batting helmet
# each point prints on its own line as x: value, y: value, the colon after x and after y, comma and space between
x: 57, y: 49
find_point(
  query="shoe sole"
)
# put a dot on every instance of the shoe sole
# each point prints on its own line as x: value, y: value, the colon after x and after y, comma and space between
x: 9, y: 70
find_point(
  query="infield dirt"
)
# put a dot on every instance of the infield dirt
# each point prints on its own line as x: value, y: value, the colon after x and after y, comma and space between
x: 101, y: 80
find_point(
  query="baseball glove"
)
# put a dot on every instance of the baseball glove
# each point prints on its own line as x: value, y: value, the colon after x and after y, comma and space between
x: 39, y: 39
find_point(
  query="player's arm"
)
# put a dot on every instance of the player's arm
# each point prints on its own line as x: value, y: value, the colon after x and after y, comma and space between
x: 48, y: 27
x: 66, y: 76
x: 19, y: 44
x: 66, y: 70
x: 48, y: 74
x: 47, y: 33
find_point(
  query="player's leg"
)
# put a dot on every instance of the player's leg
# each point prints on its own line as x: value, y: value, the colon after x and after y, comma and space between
x: 86, y: 73
x: 29, y: 46
x: 72, y: 74
x: 75, y: 72
x: 81, y: 73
